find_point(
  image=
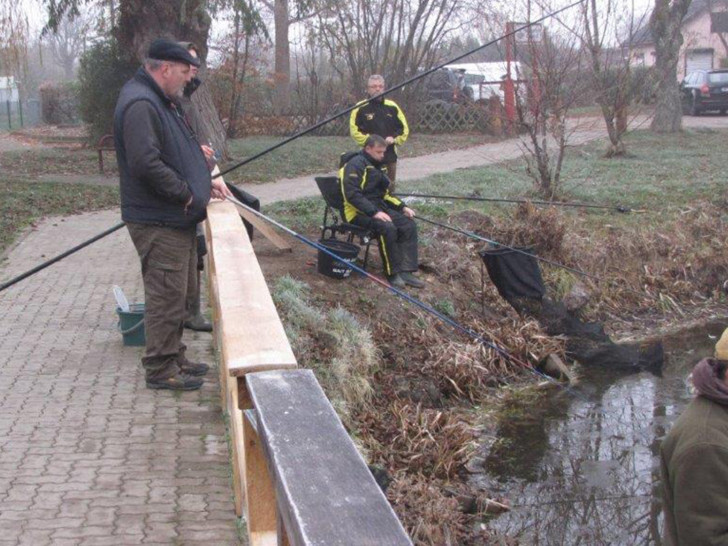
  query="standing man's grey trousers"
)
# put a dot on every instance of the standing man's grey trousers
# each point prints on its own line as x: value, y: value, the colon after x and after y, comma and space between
x: 169, y: 271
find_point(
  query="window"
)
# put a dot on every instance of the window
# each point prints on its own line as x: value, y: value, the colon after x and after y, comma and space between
x: 718, y: 77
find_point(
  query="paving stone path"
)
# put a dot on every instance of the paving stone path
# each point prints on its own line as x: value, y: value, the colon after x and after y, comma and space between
x: 88, y: 455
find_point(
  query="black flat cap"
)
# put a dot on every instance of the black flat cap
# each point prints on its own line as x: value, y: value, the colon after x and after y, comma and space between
x: 167, y: 50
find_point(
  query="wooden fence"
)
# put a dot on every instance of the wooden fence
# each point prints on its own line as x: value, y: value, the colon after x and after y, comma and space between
x: 298, y: 478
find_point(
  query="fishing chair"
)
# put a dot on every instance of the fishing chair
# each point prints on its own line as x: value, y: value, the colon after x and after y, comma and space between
x: 333, y: 221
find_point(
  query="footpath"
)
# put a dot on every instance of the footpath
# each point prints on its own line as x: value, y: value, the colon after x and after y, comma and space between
x: 88, y: 455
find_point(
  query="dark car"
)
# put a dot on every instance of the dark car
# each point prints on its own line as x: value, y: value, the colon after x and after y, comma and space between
x: 447, y: 85
x: 704, y: 90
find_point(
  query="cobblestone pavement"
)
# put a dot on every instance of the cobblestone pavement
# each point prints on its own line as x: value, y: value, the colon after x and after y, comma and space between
x: 88, y: 455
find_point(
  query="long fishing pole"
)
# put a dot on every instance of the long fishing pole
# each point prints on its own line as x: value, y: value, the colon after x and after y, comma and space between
x: 419, y: 303
x: 68, y: 252
x: 617, y: 208
x: 314, y: 127
x: 456, y: 325
x: 520, y: 251
x: 496, y: 243
x: 400, y: 293
x: 398, y: 86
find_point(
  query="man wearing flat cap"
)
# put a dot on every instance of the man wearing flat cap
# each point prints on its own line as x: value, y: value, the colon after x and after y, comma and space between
x: 694, y: 460
x: 165, y: 187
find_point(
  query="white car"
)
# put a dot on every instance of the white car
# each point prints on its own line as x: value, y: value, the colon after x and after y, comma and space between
x: 485, y: 79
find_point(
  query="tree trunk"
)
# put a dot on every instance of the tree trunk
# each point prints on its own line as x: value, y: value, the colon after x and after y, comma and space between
x: 142, y: 21
x: 665, y: 24
x: 282, y: 75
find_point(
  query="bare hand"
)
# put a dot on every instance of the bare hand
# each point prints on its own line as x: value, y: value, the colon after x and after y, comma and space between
x: 208, y: 151
x: 389, y: 140
x: 189, y: 202
x: 219, y: 189
x: 383, y: 216
x: 408, y: 212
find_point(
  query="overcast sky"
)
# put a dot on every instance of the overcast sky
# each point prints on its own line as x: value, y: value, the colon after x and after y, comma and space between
x: 37, y: 14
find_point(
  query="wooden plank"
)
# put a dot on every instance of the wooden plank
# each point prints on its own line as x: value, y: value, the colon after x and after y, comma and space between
x: 265, y: 229
x: 236, y: 440
x: 252, y: 336
x: 260, y: 497
x: 326, y: 494
x: 213, y: 299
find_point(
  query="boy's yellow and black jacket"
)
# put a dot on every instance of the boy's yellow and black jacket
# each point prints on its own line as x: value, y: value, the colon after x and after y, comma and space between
x: 365, y: 188
x: 379, y: 117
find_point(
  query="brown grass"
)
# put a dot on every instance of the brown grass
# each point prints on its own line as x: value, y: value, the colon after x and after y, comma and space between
x: 429, y: 515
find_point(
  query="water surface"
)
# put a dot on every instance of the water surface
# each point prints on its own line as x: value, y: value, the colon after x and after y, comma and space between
x: 582, y: 467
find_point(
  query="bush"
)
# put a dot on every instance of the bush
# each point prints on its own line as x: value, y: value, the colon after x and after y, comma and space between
x: 59, y: 103
x: 103, y: 71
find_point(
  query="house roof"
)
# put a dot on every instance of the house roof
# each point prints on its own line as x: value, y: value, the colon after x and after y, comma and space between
x: 643, y: 36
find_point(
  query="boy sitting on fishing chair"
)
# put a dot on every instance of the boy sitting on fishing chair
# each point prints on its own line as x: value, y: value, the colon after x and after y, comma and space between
x: 368, y: 203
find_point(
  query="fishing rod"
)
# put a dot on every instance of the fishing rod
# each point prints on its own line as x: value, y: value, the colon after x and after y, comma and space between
x: 496, y: 243
x: 456, y: 325
x: 318, y: 125
x: 68, y: 252
x: 396, y: 87
x: 617, y: 208
x: 401, y: 294
x: 520, y: 251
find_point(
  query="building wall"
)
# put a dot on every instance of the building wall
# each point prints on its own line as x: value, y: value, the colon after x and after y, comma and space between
x: 696, y: 35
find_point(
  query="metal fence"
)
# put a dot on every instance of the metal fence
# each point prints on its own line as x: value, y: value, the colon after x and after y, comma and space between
x: 17, y: 114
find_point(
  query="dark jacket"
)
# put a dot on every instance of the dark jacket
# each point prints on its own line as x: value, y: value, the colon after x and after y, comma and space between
x: 192, y: 113
x: 694, y: 468
x: 161, y: 164
x: 383, y: 118
x: 365, y: 188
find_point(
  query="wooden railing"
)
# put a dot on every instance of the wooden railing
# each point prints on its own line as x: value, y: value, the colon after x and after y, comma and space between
x: 298, y: 477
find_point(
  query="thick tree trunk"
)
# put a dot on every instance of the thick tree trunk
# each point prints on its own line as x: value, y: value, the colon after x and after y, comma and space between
x: 665, y: 24
x: 142, y: 21
x: 282, y: 76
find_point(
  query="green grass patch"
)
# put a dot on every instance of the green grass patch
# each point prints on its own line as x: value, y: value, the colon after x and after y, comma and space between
x: 22, y: 203
x: 662, y: 172
x: 311, y: 155
x: 44, y: 161
x: 663, y: 175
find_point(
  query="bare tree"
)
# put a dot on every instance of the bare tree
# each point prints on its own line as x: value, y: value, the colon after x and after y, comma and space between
x: 14, y: 34
x: 68, y: 42
x: 553, y: 71
x: 612, y: 74
x: 140, y: 22
x: 248, y: 32
x: 665, y: 23
x: 395, y: 38
x: 282, y: 20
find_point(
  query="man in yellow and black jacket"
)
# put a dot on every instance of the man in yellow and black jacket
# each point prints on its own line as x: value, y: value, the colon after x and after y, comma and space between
x: 368, y: 203
x: 381, y: 117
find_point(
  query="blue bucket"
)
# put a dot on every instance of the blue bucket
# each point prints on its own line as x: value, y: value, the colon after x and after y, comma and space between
x: 131, y: 325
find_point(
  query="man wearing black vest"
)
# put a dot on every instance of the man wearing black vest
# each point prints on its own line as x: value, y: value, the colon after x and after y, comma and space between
x: 165, y: 187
